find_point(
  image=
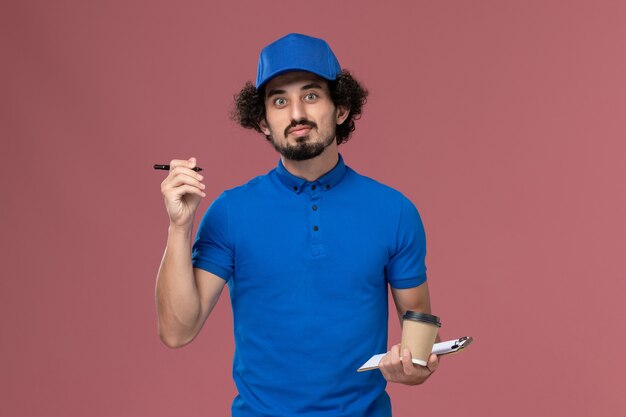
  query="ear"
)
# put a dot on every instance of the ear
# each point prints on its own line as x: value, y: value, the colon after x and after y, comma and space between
x: 264, y: 128
x: 342, y: 114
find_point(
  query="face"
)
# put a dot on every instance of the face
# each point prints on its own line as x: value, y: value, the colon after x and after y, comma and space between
x: 300, y: 116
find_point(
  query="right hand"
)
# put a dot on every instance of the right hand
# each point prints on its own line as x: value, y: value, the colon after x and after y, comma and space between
x: 182, y: 191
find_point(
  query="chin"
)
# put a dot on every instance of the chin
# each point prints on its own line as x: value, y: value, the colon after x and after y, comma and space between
x: 302, y: 139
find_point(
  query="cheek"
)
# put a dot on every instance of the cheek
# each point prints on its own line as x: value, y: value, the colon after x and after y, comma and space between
x: 273, y: 122
x: 328, y: 122
x: 329, y: 116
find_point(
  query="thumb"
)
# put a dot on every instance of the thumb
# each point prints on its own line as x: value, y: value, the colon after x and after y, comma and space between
x: 433, y: 362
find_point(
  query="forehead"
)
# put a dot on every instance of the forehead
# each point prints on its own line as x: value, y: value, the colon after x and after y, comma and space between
x: 294, y: 79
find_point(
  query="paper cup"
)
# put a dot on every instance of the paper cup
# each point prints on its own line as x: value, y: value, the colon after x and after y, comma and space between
x: 419, y: 331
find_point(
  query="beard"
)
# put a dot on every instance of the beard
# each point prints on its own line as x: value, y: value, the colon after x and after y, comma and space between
x: 302, y: 150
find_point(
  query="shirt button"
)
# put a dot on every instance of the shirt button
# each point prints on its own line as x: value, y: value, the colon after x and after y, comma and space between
x: 314, y: 208
x: 313, y: 187
x: 295, y: 188
x: 327, y: 186
x: 316, y: 228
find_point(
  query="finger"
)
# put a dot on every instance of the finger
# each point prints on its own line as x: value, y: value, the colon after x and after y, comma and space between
x: 395, y: 363
x: 184, y: 169
x: 172, y: 188
x: 188, y: 189
x: 395, y: 367
x: 384, y: 365
x: 182, y: 163
x: 433, y: 362
x: 187, y: 177
x: 407, y: 362
x: 385, y: 361
x: 395, y: 356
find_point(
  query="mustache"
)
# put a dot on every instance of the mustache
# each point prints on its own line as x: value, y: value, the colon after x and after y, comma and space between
x: 301, y: 122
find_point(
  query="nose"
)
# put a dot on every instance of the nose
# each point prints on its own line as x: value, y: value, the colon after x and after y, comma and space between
x: 297, y: 110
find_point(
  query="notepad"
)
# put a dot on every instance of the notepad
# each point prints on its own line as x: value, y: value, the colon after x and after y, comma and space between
x: 441, y: 348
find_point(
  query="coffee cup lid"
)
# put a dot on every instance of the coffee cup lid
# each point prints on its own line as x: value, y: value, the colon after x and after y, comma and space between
x: 423, y: 317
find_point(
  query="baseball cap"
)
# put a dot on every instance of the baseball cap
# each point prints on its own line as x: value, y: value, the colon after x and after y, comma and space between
x: 297, y: 52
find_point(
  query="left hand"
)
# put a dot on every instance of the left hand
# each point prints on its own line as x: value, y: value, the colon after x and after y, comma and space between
x: 400, y: 368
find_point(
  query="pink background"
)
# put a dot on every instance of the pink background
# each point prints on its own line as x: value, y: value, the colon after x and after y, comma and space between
x: 504, y: 122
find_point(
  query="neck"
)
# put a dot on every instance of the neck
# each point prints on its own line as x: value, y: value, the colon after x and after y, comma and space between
x: 312, y: 169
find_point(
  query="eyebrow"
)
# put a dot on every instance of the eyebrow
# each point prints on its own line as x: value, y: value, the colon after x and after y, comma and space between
x: 311, y: 85
x: 304, y: 87
x: 275, y: 92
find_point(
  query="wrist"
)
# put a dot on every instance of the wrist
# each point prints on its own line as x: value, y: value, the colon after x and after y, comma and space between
x: 183, y: 230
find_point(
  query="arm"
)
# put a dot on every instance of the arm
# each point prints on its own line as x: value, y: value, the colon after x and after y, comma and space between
x: 184, y: 296
x: 397, y: 366
x: 414, y: 299
x: 408, y: 261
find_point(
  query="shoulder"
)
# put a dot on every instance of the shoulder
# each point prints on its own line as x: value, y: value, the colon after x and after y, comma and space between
x: 234, y: 201
x: 387, y: 202
x: 256, y: 185
x: 376, y: 190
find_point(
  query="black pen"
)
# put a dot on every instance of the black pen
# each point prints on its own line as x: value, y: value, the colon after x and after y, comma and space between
x: 167, y: 167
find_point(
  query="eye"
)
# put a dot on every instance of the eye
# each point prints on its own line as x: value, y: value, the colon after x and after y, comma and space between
x: 310, y: 97
x: 280, y: 102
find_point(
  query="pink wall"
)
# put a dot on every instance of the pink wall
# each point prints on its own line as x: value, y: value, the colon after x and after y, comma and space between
x: 503, y: 121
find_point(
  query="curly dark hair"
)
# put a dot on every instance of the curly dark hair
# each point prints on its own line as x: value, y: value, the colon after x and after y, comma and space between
x: 345, y: 91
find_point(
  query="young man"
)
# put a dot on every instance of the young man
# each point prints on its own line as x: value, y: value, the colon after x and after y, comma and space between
x: 307, y: 251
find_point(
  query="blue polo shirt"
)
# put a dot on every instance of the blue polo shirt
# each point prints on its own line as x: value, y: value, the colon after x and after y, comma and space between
x: 307, y: 265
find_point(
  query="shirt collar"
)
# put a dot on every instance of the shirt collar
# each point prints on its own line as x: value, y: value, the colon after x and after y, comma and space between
x: 326, y: 181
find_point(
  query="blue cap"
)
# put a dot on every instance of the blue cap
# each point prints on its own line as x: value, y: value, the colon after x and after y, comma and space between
x: 296, y: 52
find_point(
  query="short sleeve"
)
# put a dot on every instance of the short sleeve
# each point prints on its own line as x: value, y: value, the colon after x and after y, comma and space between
x: 407, y: 267
x: 213, y: 248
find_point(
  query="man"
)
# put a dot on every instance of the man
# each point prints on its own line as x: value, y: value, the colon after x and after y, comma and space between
x: 307, y: 251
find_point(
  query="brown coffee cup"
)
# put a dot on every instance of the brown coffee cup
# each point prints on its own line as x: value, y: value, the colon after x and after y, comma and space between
x: 419, y: 331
